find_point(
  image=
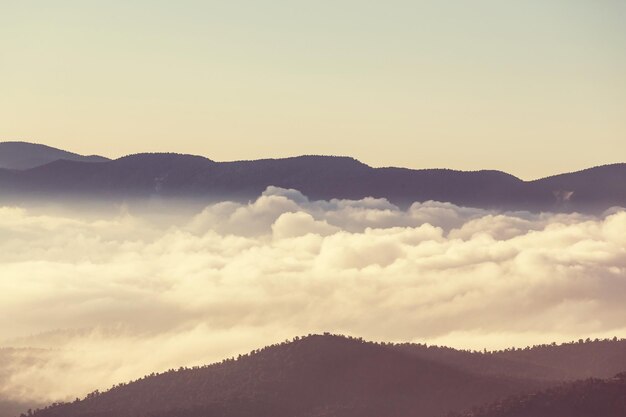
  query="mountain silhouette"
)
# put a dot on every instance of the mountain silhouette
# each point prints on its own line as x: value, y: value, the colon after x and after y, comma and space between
x: 328, y: 375
x: 568, y: 361
x: 171, y: 175
x: 586, y: 398
x: 24, y: 155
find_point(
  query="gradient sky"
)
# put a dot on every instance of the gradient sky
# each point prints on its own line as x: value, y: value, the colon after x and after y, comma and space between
x: 531, y: 87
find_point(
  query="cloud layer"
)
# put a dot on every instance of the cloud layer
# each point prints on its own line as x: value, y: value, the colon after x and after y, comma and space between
x: 100, y: 299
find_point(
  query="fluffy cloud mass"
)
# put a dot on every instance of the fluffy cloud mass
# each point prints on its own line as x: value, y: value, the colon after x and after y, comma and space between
x: 88, y: 299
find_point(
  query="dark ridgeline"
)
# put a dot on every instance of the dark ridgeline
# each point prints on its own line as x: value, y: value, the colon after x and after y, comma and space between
x: 24, y: 155
x: 319, y: 177
x: 568, y: 361
x: 336, y: 376
x: 587, y: 398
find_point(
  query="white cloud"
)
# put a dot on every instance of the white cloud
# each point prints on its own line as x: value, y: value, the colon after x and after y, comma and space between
x: 113, y: 297
x: 294, y: 224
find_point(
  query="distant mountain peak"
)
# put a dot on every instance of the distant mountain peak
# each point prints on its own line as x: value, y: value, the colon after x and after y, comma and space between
x: 163, y: 156
x: 26, y: 155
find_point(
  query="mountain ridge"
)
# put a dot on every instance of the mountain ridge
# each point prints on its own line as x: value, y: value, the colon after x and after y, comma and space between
x: 174, y: 175
x: 583, y: 398
x: 22, y: 155
x: 322, y: 375
x: 312, y: 156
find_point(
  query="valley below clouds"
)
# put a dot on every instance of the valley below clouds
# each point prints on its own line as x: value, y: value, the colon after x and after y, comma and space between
x: 91, y: 298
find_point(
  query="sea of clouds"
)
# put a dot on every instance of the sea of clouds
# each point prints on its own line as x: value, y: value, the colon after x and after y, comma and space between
x: 87, y: 301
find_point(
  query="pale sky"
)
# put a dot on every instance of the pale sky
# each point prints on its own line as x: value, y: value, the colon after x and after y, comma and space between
x: 530, y: 87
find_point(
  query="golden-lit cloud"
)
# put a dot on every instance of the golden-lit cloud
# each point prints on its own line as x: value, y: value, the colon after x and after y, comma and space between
x: 100, y: 299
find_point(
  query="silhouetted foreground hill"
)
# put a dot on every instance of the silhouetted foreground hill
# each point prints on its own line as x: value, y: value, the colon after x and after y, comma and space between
x: 586, y: 398
x: 24, y: 155
x: 326, y: 376
x: 318, y: 177
x: 314, y: 376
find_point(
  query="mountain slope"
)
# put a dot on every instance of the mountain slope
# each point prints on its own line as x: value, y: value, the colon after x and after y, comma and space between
x: 604, y: 184
x: 313, y: 376
x: 24, y: 155
x: 567, y: 361
x: 585, y: 398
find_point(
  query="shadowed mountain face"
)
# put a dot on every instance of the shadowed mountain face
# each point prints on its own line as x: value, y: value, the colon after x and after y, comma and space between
x: 336, y: 376
x: 24, y: 155
x: 316, y: 376
x: 318, y: 177
x: 568, y: 361
x: 587, y: 398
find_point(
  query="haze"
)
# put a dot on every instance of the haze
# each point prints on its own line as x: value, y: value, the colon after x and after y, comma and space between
x: 532, y: 87
x: 87, y: 294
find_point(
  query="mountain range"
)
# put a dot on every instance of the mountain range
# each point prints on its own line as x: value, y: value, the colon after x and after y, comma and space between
x: 336, y: 376
x: 37, y: 171
x: 24, y: 155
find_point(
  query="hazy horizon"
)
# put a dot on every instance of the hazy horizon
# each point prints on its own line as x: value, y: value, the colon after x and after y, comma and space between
x: 529, y: 88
